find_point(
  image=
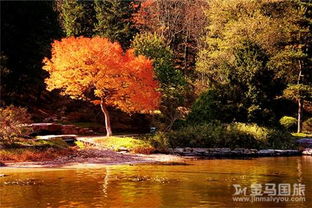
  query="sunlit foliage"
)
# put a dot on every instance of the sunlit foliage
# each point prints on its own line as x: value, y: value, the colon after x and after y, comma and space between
x: 90, y: 68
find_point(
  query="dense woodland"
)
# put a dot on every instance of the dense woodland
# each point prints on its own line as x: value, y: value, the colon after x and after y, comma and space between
x: 219, y: 64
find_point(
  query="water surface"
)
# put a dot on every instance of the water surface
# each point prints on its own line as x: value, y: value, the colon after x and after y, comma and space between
x: 201, y: 183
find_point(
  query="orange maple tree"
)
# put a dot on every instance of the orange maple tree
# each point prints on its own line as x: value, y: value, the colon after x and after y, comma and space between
x: 99, y: 71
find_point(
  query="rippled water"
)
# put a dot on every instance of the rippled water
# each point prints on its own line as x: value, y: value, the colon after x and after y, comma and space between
x: 202, y: 183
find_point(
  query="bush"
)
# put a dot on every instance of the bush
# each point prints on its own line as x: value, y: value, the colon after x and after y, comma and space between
x: 281, y: 140
x: 235, y: 135
x: 12, y: 122
x: 288, y: 122
x: 205, y: 108
x: 213, y: 105
x: 307, y: 125
x: 159, y: 141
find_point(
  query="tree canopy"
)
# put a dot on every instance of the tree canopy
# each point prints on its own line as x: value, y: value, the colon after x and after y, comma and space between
x: 95, y: 68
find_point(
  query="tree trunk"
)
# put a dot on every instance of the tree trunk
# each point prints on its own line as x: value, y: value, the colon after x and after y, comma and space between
x: 300, y: 101
x: 107, y: 119
x: 299, y: 115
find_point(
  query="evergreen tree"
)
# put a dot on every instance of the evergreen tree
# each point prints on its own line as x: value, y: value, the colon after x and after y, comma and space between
x: 76, y: 17
x: 293, y: 60
x: 115, y: 20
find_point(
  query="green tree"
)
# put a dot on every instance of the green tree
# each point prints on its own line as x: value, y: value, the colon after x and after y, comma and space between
x: 173, y: 84
x: 247, y: 90
x: 293, y: 61
x: 76, y: 17
x: 115, y: 20
x: 278, y: 28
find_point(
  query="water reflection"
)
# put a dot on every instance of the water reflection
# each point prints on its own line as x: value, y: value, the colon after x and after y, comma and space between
x: 203, y: 183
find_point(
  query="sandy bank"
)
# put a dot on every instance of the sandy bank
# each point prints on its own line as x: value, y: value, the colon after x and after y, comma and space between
x: 88, y: 158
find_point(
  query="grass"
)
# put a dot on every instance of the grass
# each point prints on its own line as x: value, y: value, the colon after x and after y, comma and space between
x: 133, y: 144
x: 80, y: 144
x: 302, y: 135
x: 257, y: 132
x: 22, y: 150
x: 52, y: 143
x: 32, y: 154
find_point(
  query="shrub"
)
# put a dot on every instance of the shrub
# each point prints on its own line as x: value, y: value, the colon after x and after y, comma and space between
x: 159, y: 141
x: 281, y: 140
x: 143, y: 150
x: 307, y: 125
x: 212, y: 105
x: 235, y: 135
x: 288, y: 122
x: 12, y: 122
x: 205, y: 108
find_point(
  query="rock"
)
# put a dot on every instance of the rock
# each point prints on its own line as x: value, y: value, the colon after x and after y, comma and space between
x: 280, y: 152
x: 123, y: 149
x: 3, y: 175
x: 238, y: 151
x: 200, y: 150
x: 210, y: 150
x: 69, y: 138
x: 70, y: 129
x: 217, y: 149
x: 46, y: 128
x: 2, y: 164
x: 305, y: 142
x: 266, y: 152
x: 55, y: 128
x: 188, y: 149
x: 178, y: 150
x: 253, y: 151
x: 247, y: 151
x: 307, y: 151
x: 225, y: 150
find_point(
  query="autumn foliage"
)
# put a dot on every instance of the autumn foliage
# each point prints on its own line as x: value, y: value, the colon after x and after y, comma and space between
x: 97, y: 69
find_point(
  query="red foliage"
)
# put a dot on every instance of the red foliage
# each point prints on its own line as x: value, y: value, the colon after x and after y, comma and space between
x: 95, y: 68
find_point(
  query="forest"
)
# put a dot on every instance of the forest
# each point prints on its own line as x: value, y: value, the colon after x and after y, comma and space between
x: 200, y: 73
x: 156, y: 103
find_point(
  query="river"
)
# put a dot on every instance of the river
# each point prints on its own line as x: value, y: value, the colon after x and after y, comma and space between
x: 195, y: 183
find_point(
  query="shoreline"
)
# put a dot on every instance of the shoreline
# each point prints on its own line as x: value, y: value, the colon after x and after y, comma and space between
x: 97, y: 158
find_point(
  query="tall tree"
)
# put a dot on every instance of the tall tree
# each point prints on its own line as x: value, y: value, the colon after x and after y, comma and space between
x: 172, y: 82
x: 180, y: 22
x: 97, y: 70
x: 293, y: 60
x: 115, y: 20
x: 76, y: 17
x: 275, y: 26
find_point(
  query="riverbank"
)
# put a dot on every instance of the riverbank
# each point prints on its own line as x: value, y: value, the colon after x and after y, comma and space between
x: 96, y: 157
x: 98, y: 151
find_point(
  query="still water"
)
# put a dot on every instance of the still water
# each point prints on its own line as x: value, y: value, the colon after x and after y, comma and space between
x: 200, y: 183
